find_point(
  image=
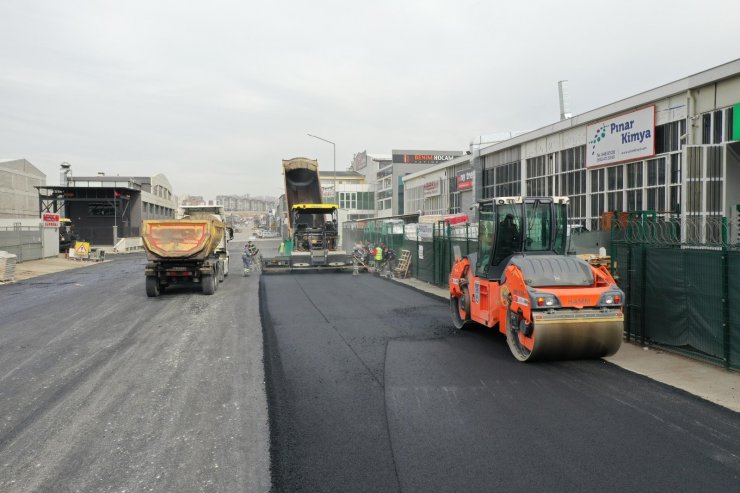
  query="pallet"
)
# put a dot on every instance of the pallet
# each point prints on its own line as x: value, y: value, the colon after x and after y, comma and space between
x: 404, y: 262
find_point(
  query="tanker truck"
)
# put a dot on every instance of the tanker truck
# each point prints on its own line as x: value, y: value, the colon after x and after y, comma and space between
x: 192, y: 250
x: 311, y: 237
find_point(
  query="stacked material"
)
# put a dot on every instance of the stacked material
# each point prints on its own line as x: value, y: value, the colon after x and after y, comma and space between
x: 7, y: 266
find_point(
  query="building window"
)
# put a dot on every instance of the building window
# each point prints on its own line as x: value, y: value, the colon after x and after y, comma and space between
x: 675, y: 186
x: 714, y: 180
x: 571, y: 181
x: 348, y: 200
x: 717, y: 127
x: 598, y: 201
x: 615, y: 186
x: 656, y: 184
x: 668, y: 136
x: 502, y: 181
x: 634, y: 186
x: 539, y: 170
x: 706, y: 128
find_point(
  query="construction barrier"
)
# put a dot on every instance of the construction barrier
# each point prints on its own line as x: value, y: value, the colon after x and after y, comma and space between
x: 681, y: 280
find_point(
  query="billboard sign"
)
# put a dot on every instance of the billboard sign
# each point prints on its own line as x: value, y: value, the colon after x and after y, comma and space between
x: 424, y: 157
x: 465, y: 180
x: 623, y: 138
x: 50, y: 219
x: 432, y: 189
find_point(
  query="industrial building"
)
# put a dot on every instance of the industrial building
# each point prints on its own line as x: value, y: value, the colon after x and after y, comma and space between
x: 389, y: 190
x: 104, y: 209
x: 356, y: 197
x: 18, y: 196
x: 245, y: 203
x: 673, y: 149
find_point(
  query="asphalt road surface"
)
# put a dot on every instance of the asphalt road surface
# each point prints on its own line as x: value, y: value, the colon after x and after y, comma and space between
x: 104, y: 389
x: 370, y: 389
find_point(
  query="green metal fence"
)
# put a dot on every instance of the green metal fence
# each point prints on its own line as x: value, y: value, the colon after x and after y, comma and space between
x: 431, y: 245
x: 681, y: 278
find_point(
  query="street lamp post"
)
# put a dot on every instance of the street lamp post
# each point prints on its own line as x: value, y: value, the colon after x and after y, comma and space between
x: 336, y: 192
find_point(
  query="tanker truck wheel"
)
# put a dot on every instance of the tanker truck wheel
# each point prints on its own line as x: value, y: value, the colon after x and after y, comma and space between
x: 208, y: 284
x: 152, y: 286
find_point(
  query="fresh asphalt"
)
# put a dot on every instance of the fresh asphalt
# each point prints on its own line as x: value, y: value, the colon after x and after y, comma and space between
x: 104, y: 389
x: 370, y: 389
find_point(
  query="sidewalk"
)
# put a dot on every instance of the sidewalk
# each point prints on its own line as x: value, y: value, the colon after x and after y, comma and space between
x: 50, y: 265
x: 696, y: 377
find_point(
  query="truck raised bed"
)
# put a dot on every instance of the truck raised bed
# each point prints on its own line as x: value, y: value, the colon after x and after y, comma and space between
x: 192, y: 250
x: 312, y: 235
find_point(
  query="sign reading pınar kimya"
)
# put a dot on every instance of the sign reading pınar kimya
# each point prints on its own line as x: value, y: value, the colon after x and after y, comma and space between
x: 424, y: 157
x: 622, y: 138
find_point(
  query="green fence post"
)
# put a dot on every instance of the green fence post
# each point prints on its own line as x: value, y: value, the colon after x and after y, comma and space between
x: 725, y: 295
x: 643, y: 289
x: 448, y: 257
x: 417, y: 251
x: 628, y: 307
x: 467, y: 238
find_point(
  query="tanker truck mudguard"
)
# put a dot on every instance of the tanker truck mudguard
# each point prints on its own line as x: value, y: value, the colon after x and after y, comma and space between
x: 188, y: 251
x: 311, y: 238
x: 549, y: 305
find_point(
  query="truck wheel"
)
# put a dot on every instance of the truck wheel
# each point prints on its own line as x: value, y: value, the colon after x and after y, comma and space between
x: 152, y: 286
x: 208, y: 284
x: 221, y: 273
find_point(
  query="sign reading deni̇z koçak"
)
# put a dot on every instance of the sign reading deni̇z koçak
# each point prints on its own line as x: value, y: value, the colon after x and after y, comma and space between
x: 622, y: 138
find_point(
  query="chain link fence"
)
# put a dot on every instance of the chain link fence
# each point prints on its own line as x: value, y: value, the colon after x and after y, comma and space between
x: 431, y: 245
x: 23, y: 241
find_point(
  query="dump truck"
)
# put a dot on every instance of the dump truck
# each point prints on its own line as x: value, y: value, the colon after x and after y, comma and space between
x: 311, y: 238
x: 548, y: 304
x: 191, y: 250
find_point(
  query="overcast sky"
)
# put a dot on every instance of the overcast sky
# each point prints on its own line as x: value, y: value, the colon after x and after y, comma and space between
x: 214, y: 94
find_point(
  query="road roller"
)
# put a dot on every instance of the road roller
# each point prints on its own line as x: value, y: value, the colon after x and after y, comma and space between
x: 548, y: 304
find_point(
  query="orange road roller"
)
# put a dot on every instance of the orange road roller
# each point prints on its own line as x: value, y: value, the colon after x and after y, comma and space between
x: 548, y: 304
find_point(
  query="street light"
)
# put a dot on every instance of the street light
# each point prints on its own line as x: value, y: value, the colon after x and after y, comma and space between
x: 336, y: 192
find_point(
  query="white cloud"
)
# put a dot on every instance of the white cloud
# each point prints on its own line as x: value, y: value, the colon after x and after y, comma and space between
x: 215, y: 94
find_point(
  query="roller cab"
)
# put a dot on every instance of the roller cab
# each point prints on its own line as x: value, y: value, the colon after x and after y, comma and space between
x: 549, y: 305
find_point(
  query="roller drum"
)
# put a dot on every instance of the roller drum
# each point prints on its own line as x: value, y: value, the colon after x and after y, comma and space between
x: 569, y: 337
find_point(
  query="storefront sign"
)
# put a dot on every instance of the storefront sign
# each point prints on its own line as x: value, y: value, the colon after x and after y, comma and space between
x: 431, y: 189
x: 424, y: 157
x: 50, y: 219
x: 465, y: 180
x: 623, y: 138
x: 736, y: 122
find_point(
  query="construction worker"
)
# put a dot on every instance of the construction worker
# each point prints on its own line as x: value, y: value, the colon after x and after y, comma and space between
x: 378, y: 255
x: 246, y: 260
